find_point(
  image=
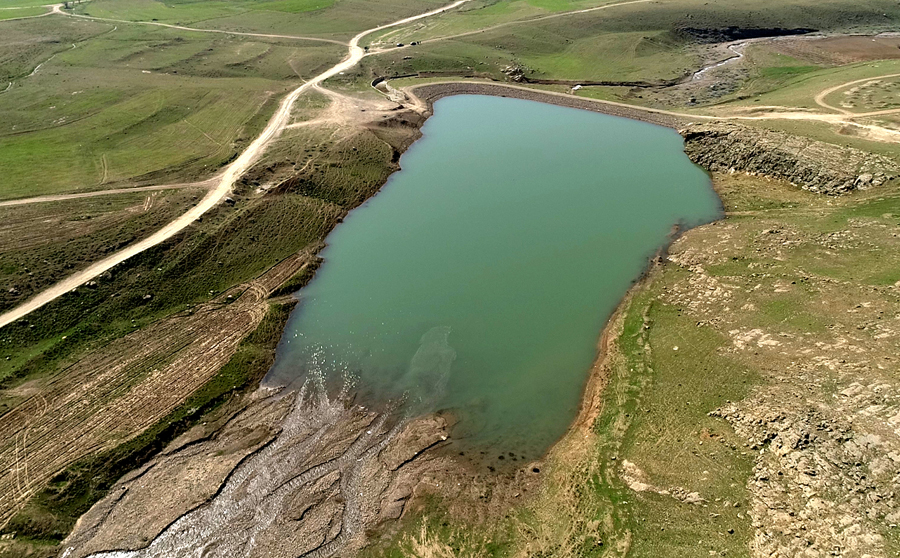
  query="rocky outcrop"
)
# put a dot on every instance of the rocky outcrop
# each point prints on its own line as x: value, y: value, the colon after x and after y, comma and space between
x: 821, y: 485
x: 812, y: 165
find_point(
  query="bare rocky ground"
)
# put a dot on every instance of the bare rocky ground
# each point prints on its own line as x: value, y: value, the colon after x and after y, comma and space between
x: 813, y: 165
x: 298, y: 475
x: 824, y: 424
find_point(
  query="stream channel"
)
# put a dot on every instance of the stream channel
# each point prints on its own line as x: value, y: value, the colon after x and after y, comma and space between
x: 478, y: 281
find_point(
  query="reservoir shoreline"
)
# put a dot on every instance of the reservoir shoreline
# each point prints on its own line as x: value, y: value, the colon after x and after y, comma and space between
x: 430, y: 93
x: 549, y: 323
x: 410, y: 457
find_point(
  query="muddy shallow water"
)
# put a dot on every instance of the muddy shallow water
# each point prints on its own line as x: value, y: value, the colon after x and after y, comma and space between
x: 478, y: 280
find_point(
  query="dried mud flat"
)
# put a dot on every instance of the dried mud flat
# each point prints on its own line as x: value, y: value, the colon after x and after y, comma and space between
x: 299, y: 475
x: 292, y: 474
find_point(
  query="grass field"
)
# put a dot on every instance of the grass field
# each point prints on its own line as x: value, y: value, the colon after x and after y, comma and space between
x: 648, y: 42
x: 84, y: 230
x: 141, y: 105
x: 796, y: 84
x: 340, y: 19
x: 24, y: 12
x: 20, y: 4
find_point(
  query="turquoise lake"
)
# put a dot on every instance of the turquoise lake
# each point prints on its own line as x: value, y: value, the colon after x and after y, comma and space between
x: 478, y: 281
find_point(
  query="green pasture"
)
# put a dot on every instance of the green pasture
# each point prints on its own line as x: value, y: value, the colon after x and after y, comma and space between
x: 143, y: 105
x: 343, y: 18
x: 24, y: 12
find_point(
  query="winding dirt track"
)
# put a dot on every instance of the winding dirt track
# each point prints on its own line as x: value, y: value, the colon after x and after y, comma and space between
x: 230, y: 175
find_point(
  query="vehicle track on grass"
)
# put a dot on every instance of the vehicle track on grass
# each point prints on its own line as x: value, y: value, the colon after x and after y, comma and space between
x: 112, y: 192
x: 51, y: 11
x: 535, y: 19
x: 820, y: 98
x: 57, y: 9
x: 227, y: 179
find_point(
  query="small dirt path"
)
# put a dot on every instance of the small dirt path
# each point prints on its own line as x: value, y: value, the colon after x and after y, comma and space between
x: 64, y: 197
x: 229, y: 176
x: 53, y: 8
x: 535, y: 19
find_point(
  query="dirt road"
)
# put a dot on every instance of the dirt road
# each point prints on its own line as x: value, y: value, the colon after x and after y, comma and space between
x: 869, y: 131
x: 820, y: 98
x: 64, y: 197
x: 231, y: 174
x: 536, y: 19
x: 53, y: 9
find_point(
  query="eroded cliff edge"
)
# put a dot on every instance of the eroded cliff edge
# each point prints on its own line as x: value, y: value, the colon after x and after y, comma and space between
x: 816, y: 166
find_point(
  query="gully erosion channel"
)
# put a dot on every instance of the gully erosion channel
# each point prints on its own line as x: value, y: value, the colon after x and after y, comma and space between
x: 477, y: 281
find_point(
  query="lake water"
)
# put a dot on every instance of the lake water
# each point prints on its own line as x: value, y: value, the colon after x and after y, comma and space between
x: 478, y: 280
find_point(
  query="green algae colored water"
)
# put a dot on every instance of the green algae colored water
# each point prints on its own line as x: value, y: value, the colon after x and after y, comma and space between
x: 478, y: 280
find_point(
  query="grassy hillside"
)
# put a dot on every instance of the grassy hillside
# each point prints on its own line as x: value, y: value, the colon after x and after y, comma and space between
x: 622, y: 41
x: 137, y: 105
x: 338, y: 18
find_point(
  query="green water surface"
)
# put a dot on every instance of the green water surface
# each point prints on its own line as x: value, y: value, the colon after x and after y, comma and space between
x: 478, y: 281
